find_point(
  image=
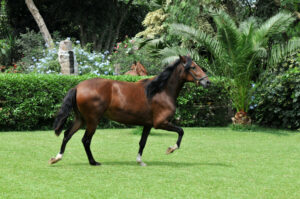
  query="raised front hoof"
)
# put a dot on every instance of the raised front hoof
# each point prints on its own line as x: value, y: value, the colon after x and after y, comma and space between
x: 95, y: 163
x: 171, y: 149
x: 53, y: 160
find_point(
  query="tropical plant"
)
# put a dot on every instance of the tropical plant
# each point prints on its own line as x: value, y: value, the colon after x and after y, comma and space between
x: 238, y: 51
x: 7, y: 39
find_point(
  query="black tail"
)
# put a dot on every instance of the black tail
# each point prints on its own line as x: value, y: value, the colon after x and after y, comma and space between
x: 68, y: 103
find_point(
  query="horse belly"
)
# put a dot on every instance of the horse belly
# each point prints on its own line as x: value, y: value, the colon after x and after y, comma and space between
x: 127, y: 117
x: 129, y: 106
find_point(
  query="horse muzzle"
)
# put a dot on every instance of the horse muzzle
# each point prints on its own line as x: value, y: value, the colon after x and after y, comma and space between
x: 204, y: 81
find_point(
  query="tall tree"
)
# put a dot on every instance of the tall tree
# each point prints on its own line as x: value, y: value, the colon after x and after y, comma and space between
x: 40, y: 22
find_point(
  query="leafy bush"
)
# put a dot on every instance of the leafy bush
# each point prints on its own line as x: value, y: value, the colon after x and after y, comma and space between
x: 277, y: 100
x: 128, y: 51
x: 198, y: 106
x: 30, y: 46
x: 5, y: 51
x: 31, y: 101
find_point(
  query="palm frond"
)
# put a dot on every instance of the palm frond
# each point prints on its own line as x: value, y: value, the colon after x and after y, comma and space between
x: 280, y: 51
x: 275, y: 25
x: 248, y: 26
x: 211, y: 44
x: 228, y: 33
x: 170, y: 54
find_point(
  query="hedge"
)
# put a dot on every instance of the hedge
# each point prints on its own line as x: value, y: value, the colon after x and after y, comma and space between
x: 276, y: 100
x: 31, y: 101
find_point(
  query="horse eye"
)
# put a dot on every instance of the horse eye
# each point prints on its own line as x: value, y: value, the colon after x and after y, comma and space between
x: 193, y: 67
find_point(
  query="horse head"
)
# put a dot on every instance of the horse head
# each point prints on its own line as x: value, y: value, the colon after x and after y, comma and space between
x: 141, y: 70
x: 193, y: 73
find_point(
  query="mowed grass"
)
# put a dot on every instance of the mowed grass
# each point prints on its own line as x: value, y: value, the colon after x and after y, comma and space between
x: 212, y: 163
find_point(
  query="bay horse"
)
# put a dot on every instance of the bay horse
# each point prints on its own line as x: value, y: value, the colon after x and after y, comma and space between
x: 148, y: 103
x: 137, y: 69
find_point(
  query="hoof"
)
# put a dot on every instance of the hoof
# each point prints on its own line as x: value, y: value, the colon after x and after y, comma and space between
x: 171, y: 149
x: 142, y: 164
x: 95, y: 163
x: 53, y: 160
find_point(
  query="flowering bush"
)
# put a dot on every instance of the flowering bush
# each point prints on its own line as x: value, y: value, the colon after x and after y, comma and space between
x: 48, y: 64
x: 88, y: 62
x: 94, y: 62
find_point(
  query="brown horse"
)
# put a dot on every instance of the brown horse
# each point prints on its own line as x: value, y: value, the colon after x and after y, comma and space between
x: 137, y: 69
x: 148, y: 103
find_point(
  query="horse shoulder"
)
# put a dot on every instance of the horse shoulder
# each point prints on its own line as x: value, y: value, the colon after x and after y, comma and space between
x: 163, y: 108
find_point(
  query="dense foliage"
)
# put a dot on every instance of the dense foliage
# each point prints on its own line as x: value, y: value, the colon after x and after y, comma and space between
x: 32, y: 101
x: 235, y: 39
x: 198, y: 106
x: 240, y: 51
x: 98, y: 22
x: 276, y: 101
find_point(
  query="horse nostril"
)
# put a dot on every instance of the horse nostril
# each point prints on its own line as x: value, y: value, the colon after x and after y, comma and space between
x: 208, y: 83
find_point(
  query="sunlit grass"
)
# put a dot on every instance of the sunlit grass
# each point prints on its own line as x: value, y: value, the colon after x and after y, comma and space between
x: 212, y: 163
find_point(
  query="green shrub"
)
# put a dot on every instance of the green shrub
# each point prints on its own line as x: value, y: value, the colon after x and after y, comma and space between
x: 31, y: 101
x: 30, y: 46
x: 198, y: 106
x: 128, y: 51
x: 277, y: 100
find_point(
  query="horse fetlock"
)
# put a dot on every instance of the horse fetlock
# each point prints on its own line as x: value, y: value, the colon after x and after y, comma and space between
x: 94, y: 163
x: 171, y: 149
x: 56, y: 159
x: 139, y: 161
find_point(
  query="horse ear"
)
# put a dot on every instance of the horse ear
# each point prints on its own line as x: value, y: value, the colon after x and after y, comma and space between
x: 182, y: 58
x: 134, y: 62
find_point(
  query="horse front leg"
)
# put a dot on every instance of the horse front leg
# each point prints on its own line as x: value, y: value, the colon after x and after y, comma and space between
x: 146, y: 131
x: 171, y: 127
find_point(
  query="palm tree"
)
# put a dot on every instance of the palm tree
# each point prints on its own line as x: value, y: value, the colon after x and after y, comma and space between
x: 238, y: 51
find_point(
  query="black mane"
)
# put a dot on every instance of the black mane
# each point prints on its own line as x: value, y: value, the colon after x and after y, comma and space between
x: 159, y: 82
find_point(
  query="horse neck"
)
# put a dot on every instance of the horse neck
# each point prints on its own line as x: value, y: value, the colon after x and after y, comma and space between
x: 175, y: 84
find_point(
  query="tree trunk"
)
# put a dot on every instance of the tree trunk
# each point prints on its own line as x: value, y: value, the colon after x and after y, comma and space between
x: 100, y: 42
x: 123, y: 16
x: 242, y: 118
x: 82, y: 34
x: 109, y: 36
x: 40, y: 22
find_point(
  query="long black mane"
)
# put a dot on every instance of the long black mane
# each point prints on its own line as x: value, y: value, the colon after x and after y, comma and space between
x: 159, y: 82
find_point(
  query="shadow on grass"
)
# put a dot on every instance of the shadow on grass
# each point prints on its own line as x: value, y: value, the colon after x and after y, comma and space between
x: 261, y: 129
x: 149, y: 164
x: 168, y: 164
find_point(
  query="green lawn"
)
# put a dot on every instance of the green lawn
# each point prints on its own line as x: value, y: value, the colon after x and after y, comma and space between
x: 212, y: 163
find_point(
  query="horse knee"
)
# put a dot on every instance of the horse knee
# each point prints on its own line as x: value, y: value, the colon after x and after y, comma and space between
x: 85, y: 141
x: 180, y: 132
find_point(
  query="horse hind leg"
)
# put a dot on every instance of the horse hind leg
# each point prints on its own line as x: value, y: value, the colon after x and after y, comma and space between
x: 67, y: 136
x: 86, y: 140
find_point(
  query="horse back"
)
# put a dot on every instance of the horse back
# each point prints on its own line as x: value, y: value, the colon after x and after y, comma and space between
x: 124, y: 102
